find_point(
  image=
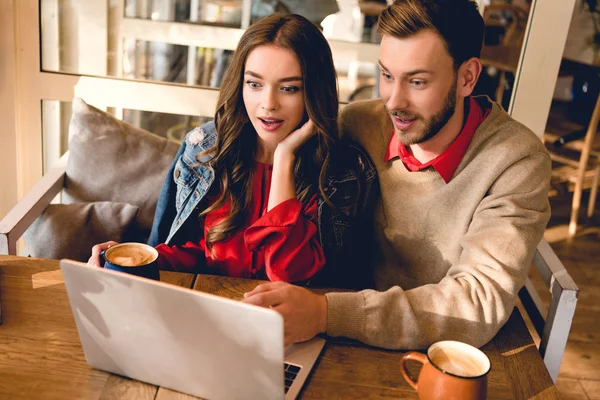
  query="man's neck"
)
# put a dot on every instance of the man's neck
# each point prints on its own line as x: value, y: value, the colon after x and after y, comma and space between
x: 427, y: 151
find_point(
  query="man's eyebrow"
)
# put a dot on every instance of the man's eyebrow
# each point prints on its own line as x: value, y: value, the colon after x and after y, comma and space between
x: 418, y: 71
x: 287, y: 79
x: 381, y: 65
x: 409, y: 73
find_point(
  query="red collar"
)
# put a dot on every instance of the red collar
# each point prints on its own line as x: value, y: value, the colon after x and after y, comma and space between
x: 447, y: 162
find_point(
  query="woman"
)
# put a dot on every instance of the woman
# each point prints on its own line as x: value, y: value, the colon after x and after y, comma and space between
x: 266, y: 190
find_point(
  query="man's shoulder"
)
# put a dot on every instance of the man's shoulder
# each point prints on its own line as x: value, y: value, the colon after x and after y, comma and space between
x: 500, y: 130
x: 358, y: 110
x: 359, y: 120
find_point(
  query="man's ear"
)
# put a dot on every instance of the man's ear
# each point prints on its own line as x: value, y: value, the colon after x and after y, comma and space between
x: 468, y: 74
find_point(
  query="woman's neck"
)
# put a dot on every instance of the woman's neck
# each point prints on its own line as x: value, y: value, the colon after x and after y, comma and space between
x: 264, y: 152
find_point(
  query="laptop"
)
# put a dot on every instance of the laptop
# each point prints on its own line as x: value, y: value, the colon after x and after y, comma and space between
x: 184, y: 340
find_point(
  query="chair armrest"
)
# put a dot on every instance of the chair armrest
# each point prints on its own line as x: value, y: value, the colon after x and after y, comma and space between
x: 553, y: 325
x: 551, y: 268
x: 22, y: 215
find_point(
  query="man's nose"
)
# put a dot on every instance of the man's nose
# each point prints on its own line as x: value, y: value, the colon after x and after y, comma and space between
x: 398, y: 99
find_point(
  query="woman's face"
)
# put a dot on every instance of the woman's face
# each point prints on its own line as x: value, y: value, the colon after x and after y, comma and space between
x: 273, y: 94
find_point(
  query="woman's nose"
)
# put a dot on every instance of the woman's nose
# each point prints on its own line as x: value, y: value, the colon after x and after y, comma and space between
x: 269, y: 100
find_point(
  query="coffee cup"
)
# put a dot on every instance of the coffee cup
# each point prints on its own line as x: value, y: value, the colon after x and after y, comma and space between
x: 132, y: 258
x: 451, y: 370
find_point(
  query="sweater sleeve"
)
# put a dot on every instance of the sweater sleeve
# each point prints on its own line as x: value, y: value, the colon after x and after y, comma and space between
x: 289, y: 237
x: 476, y: 296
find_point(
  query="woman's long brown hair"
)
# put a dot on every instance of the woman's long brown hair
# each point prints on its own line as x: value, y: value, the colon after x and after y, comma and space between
x: 233, y: 155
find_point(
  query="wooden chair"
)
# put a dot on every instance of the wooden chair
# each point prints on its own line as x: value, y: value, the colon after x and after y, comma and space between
x: 552, y: 324
x: 513, y: 20
x: 584, y: 163
x: 29, y: 208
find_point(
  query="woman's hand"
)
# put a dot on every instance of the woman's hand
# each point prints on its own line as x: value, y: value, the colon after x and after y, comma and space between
x: 287, y: 147
x: 282, y: 180
x: 94, y: 260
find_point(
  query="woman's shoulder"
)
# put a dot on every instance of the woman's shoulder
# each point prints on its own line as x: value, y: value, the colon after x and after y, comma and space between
x: 198, y: 141
x: 349, y: 158
x: 204, y: 136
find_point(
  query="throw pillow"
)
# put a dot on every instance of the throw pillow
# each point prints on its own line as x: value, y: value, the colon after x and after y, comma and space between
x: 70, y: 230
x: 110, y: 160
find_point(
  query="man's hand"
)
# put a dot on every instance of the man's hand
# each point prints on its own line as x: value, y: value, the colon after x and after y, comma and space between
x: 304, y: 313
x: 95, y: 258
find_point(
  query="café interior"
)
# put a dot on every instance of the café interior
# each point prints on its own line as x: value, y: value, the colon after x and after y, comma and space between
x: 154, y: 67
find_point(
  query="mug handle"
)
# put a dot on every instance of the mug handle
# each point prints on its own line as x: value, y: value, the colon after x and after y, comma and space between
x: 415, y: 356
x: 102, y: 258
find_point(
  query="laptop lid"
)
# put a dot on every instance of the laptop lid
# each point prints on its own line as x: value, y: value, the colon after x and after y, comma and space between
x: 185, y: 340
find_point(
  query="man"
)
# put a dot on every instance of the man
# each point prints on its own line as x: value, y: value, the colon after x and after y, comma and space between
x: 463, y: 194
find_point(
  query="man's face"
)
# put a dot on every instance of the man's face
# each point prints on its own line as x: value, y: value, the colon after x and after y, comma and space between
x: 418, y: 85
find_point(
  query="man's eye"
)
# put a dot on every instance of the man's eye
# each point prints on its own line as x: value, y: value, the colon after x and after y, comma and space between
x: 418, y: 83
x: 386, y: 76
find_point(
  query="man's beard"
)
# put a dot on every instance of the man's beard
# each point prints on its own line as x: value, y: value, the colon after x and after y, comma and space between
x: 432, y: 126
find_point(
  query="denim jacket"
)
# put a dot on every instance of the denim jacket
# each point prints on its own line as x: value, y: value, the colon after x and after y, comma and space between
x: 343, y: 229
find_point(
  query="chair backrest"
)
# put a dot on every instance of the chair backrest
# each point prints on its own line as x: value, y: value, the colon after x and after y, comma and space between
x: 584, y: 163
x: 552, y: 324
x: 511, y: 17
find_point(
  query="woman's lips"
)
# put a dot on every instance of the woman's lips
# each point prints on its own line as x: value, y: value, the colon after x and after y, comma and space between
x: 403, y: 124
x: 270, y: 124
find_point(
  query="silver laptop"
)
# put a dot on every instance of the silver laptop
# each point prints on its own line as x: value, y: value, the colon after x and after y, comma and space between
x: 185, y: 340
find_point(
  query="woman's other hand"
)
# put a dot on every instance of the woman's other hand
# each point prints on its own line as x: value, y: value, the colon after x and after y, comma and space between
x: 95, y: 258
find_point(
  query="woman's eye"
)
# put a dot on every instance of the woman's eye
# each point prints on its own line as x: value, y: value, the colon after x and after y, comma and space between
x: 252, y: 84
x: 290, y: 89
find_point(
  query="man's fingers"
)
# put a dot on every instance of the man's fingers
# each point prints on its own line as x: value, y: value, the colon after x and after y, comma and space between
x: 265, y: 287
x: 266, y: 299
x: 287, y: 340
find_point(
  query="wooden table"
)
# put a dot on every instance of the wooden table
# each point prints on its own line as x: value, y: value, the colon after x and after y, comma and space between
x: 41, y: 355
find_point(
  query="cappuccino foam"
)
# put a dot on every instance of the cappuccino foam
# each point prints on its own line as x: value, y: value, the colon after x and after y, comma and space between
x: 130, y: 256
x: 458, y: 362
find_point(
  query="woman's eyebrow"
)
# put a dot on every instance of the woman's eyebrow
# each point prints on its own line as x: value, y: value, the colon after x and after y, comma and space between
x: 287, y: 79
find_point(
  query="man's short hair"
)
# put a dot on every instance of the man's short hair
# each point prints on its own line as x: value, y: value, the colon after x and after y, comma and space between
x: 458, y: 22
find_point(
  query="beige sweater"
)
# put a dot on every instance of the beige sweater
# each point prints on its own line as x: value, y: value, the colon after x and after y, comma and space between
x: 450, y: 258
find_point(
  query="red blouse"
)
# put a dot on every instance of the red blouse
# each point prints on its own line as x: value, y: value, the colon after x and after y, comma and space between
x: 281, y: 244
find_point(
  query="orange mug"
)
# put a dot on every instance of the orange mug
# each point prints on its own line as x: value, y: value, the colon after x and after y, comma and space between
x: 451, y: 370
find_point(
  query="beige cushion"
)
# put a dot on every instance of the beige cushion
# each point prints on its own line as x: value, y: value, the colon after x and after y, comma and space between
x: 111, y: 160
x: 70, y: 230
